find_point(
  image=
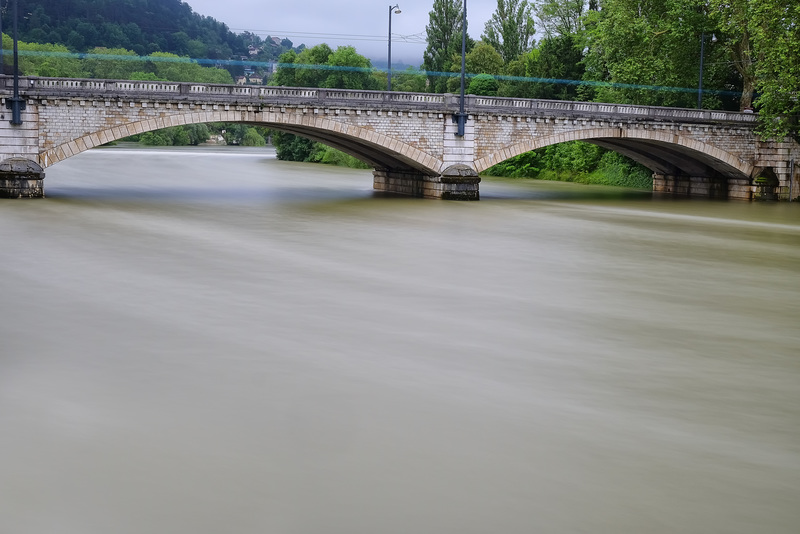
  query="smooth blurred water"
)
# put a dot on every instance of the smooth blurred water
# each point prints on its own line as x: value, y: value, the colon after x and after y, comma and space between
x: 211, y: 340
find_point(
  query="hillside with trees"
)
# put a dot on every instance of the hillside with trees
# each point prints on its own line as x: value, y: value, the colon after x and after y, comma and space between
x: 142, y: 26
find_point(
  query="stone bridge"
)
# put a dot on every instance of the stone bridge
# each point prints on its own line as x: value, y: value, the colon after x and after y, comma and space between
x: 409, y: 138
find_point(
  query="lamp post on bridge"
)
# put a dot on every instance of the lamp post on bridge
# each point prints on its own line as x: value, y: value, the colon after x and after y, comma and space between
x: 2, y: 65
x: 16, y: 104
x: 397, y: 11
x: 461, y: 117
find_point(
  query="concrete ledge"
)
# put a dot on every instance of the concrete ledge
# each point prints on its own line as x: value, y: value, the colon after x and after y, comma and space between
x: 21, y: 178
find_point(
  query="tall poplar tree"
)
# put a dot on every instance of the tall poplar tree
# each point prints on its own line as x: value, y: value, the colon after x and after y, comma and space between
x: 510, y: 30
x: 560, y: 17
x: 443, y: 34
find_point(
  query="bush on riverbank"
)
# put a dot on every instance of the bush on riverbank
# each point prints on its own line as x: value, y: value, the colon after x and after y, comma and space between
x: 576, y: 162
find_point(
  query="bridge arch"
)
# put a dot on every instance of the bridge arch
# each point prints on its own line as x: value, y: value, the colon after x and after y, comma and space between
x: 374, y: 148
x: 662, y: 152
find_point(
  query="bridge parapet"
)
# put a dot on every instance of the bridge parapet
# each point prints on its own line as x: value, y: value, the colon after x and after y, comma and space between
x: 444, y: 103
x: 625, y: 112
x: 91, y: 88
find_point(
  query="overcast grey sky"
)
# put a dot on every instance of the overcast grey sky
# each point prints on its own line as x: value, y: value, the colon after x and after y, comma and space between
x: 360, y: 23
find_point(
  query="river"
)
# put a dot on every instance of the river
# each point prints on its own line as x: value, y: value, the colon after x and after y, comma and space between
x: 211, y: 340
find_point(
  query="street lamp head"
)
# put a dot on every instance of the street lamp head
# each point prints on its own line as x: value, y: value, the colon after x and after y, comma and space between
x: 396, y: 8
x: 397, y: 11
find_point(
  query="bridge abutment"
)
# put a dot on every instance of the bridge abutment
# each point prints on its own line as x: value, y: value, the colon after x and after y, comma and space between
x: 457, y: 182
x: 21, y: 178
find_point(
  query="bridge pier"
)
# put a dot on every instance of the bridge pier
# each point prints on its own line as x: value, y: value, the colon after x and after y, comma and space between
x: 21, y: 178
x: 703, y: 186
x: 457, y: 182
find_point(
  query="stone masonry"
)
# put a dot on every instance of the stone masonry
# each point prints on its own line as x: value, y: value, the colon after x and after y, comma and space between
x: 410, y: 139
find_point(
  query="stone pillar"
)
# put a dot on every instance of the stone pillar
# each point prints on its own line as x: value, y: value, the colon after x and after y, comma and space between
x: 672, y: 184
x: 21, y: 178
x: 457, y: 182
x: 399, y: 182
x: 703, y: 186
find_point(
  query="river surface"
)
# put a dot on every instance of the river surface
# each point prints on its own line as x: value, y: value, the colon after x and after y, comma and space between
x: 214, y: 341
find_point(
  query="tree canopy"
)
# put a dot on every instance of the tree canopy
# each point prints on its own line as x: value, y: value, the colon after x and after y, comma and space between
x: 511, y: 28
x: 444, y: 36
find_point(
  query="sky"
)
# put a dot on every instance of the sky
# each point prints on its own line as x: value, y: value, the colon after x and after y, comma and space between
x: 360, y: 23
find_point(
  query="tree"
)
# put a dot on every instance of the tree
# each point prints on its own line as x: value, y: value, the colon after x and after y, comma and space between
x: 349, y: 70
x: 510, y: 30
x: 285, y: 76
x: 649, y: 52
x: 174, y: 68
x: 483, y: 84
x: 560, y: 17
x: 558, y: 68
x: 310, y: 66
x: 113, y: 63
x: 291, y: 147
x: 252, y: 138
x: 319, y: 67
x: 482, y: 59
x: 775, y: 26
x: 47, y: 60
x: 733, y: 17
x: 444, y: 36
x: 410, y: 80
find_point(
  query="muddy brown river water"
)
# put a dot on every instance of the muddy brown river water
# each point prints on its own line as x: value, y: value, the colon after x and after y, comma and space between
x: 211, y: 340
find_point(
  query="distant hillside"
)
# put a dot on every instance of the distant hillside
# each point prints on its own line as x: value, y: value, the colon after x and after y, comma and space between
x: 143, y: 26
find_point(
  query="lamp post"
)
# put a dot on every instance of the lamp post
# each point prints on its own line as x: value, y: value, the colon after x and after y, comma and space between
x: 461, y: 116
x: 2, y: 70
x: 397, y: 11
x: 15, y: 103
x: 702, y: 57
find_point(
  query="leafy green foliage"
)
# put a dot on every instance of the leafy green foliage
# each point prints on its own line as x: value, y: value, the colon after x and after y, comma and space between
x: 330, y: 156
x: 176, y: 136
x: 482, y: 59
x: 511, y: 28
x: 775, y: 25
x: 410, y: 80
x: 320, y: 67
x: 733, y: 18
x: 253, y: 138
x: 350, y: 70
x: 444, y: 37
x: 554, y: 69
x: 129, y: 24
x: 640, y: 45
x: 483, y: 84
x: 292, y: 147
x: 560, y: 17
x: 48, y: 60
x: 173, y: 68
x: 576, y: 162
